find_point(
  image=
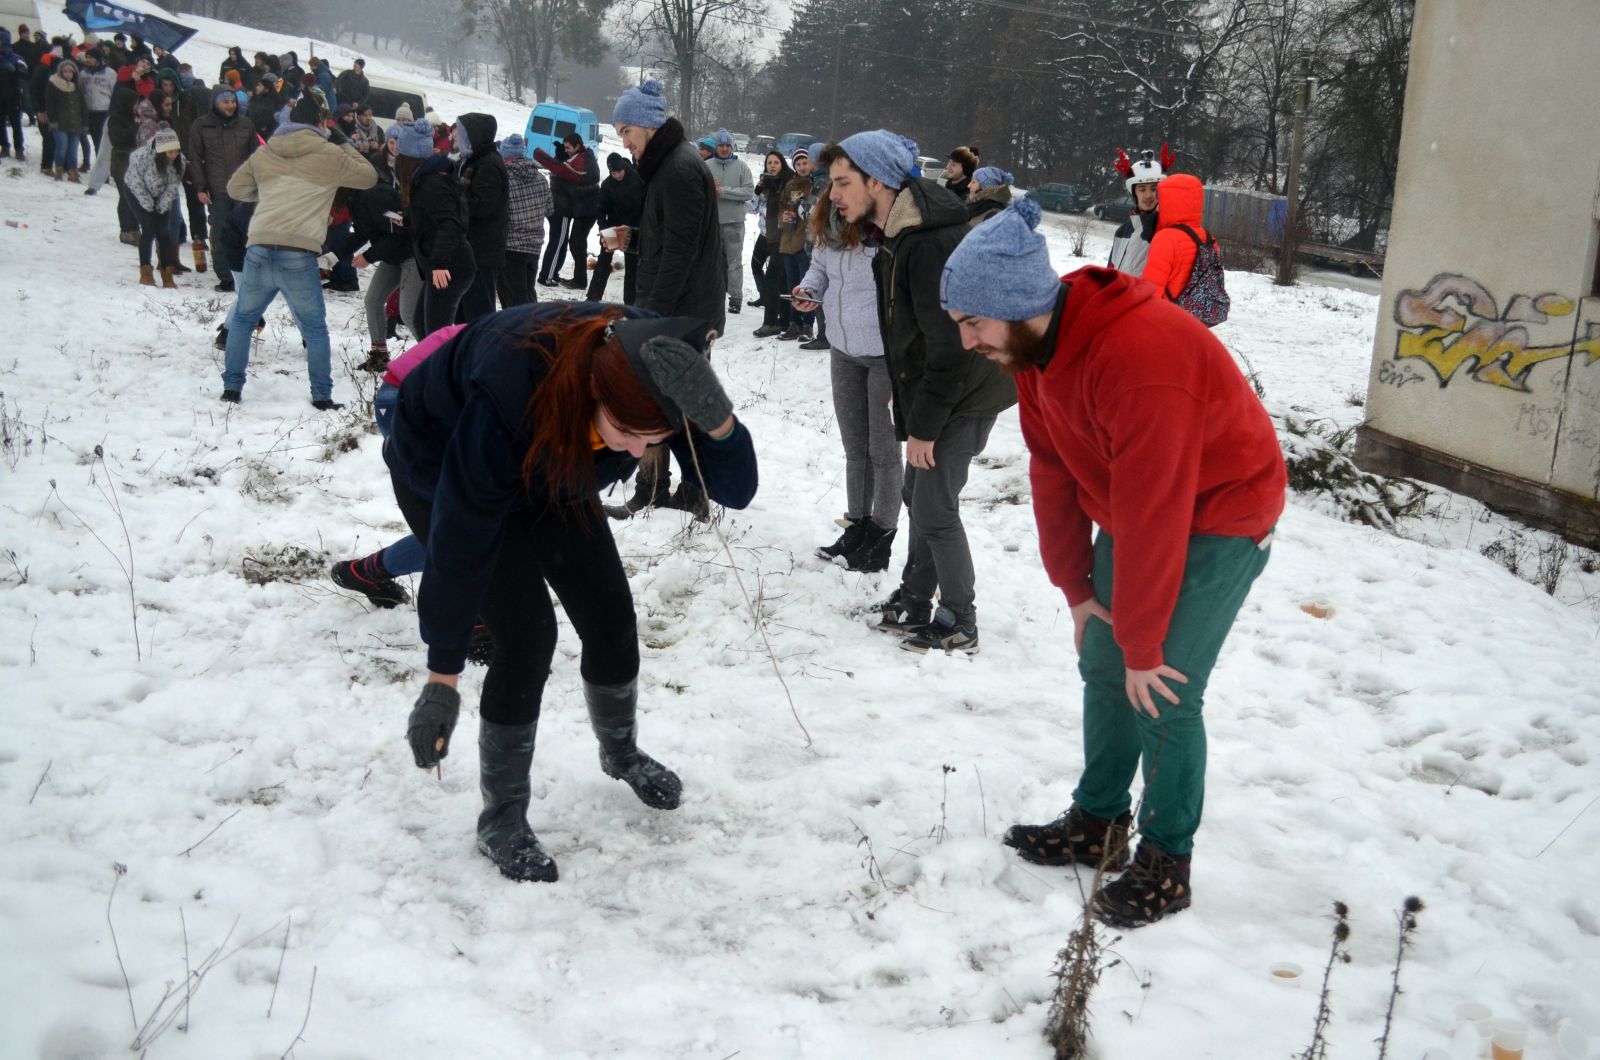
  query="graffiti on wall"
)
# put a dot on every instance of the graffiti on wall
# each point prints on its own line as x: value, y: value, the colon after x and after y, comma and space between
x: 1454, y: 325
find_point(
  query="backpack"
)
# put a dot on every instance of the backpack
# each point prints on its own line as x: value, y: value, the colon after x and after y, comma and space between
x: 1205, y: 295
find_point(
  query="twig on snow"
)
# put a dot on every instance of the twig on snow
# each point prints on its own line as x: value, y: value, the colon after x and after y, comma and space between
x: 1569, y: 824
x: 39, y: 785
x: 278, y: 975
x: 188, y: 992
x: 1318, y: 1049
x: 1408, y: 924
x: 299, y: 1035
x: 208, y: 835
x: 121, y: 870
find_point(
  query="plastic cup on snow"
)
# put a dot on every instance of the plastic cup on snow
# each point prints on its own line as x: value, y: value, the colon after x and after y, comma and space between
x: 1473, y: 1028
x: 1317, y: 606
x: 1508, y: 1040
x: 1285, y: 973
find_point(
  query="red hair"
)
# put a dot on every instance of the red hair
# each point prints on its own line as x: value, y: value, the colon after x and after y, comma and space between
x: 586, y: 368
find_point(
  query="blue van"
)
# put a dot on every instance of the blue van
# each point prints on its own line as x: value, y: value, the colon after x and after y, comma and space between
x: 553, y: 121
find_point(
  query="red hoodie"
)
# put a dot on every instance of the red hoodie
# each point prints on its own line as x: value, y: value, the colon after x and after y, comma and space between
x: 1142, y: 424
x: 1181, y: 201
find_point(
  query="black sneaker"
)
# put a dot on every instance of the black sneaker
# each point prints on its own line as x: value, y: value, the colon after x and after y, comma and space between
x: 766, y: 331
x: 899, y: 616
x: 819, y: 343
x: 548, y: 283
x: 790, y: 335
x: 1155, y: 885
x: 225, y: 286
x: 231, y: 396
x: 326, y: 404
x: 945, y: 633
x: 383, y: 591
x: 847, y: 542
x: 872, y: 554
x: 733, y: 305
x: 1076, y: 837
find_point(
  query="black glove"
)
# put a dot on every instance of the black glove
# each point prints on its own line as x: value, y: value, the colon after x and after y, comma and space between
x: 336, y: 137
x: 433, y: 719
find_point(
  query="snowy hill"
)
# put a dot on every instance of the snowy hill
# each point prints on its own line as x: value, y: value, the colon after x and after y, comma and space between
x: 242, y: 755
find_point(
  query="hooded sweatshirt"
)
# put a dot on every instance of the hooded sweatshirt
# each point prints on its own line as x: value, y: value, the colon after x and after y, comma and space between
x: 1141, y: 423
x: 1183, y: 200
x: 484, y: 177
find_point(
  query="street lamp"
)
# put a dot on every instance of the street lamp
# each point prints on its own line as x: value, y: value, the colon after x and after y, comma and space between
x: 838, y: 48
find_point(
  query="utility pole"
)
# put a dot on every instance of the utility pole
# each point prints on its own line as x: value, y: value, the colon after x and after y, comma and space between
x: 1291, y: 217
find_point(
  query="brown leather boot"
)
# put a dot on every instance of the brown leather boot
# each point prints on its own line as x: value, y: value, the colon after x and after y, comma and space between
x: 59, y: 172
x: 72, y: 175
x: 166, y: 277
x: 147, y: 276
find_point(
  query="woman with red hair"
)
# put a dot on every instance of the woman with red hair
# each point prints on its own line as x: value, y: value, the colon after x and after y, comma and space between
x: 500, y: 442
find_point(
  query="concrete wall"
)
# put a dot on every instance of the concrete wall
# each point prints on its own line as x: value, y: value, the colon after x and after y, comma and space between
x: 1488, y: 343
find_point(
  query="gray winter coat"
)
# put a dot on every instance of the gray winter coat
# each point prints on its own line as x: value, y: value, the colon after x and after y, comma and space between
x: 96, y: 86
x: 842, y: 281
x: 738, y: 188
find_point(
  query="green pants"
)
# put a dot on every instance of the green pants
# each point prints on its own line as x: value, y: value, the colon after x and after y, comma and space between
x: 1116, y: 737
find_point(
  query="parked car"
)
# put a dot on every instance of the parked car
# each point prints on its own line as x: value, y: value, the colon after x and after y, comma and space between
x: 789, y: 141
x: 932, y: 168
x: 553, y: 121
x: 386, y: 94
x: 1062, y: 197
x: 1116, y: 209
x: 762, y: 143
x: 741, y: 142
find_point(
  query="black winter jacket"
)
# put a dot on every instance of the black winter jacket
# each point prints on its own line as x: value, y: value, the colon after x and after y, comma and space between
x: 681, y: 266
x: 217, y: 147
x: 351, y: 87
x: 770, y: 190
x: 438, y: 219
x: 934, y: 379
x: 622, y: 201
x: 460, y: 433
x: 388, y: 242
x: 488, y: 191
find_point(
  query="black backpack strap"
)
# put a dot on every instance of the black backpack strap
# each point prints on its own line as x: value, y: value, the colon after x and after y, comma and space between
x: 1186, y: 230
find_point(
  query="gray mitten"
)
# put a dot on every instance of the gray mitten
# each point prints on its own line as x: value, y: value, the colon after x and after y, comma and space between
x: 683, y: 375
x: 433, y: 719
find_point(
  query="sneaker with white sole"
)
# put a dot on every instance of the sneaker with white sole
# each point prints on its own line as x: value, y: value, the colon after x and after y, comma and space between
x: 944, y: 633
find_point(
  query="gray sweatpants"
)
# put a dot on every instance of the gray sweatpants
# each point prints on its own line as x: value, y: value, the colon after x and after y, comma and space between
x: 733, y: 251
x: 386, y: 276
x: 938, y: 557
x: 872, y: 459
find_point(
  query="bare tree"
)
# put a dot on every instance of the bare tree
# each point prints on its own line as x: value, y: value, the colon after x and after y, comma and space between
x: 535, y: 33
x: 680, y: 33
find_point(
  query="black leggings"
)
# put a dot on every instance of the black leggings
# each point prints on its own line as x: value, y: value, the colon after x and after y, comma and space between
x: 570, y: 550
x: 436, y: 306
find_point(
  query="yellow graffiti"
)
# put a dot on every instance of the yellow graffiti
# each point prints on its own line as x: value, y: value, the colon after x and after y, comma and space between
x: 1454, y: 322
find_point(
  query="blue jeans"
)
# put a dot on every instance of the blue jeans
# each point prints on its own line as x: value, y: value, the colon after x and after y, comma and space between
x: 66, y: 145
x: 267, y: 272
x: 406, y: 555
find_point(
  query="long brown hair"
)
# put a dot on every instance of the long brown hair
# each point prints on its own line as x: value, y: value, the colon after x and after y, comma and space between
x: 848, y: 237
x: 585, y: 368
x: 404, y: 167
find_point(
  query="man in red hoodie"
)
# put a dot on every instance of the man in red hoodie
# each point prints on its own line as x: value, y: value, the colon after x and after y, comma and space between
x: 1138, y: 422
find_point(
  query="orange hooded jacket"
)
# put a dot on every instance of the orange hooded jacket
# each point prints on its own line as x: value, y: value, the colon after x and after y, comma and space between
x: 1182, y: 200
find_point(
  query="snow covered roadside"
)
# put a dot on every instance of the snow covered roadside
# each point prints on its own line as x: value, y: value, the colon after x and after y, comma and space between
x: 245, y: 760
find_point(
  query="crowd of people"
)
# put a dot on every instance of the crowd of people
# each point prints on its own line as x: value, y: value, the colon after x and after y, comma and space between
x: 503, y: 420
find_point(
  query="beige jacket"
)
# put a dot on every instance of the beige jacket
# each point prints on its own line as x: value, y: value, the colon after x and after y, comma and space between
x: 294, y: 178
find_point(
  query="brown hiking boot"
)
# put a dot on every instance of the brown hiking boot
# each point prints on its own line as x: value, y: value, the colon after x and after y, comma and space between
x: 1076, y: 837
x: 166, y: 277
x: 147, y: 276
x: 1155, y: 885
x: 59, y: 172
x: 377, y: 360
x: 72, y: 175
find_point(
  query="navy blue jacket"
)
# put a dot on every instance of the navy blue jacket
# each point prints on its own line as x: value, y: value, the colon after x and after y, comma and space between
x: 459, y: 439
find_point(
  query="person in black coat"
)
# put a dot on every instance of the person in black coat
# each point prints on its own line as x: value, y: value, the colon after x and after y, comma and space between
x: 682, y: 271
x: 352, y: 86
x: 488, y: 189
x: 621, y: 204
x: 438, y: 221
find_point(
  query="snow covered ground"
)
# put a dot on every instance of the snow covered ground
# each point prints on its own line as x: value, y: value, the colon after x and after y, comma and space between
x: 242, y: 753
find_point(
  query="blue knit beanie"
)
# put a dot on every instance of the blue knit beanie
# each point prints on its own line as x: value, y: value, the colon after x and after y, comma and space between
x: 643, y: 106
x: 416, y: 138
x: 724, y: 137
x: 816, y: 151
x: 992, y: 177
x: 1002, y: 269
x: 883, y: 154
x: 514, y: 146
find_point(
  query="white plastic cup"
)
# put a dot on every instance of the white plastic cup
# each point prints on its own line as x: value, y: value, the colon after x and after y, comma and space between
x: 1285, y: 973
x: 1571, y: 1043
x: 1474, y: 1027
x: 1509, y: 1039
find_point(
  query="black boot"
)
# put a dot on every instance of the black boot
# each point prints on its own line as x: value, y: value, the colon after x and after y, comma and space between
x: 648, y: 491
x: 689, y: 498
x: 505, y: 755
x: 1076, y: 837
x: 871, y: 554
x: 612, y: 709
x: 1155, y: 885
x: 847, y: 542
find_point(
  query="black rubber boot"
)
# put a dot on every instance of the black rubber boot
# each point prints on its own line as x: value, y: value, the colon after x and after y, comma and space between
x: 612, y: 709
x: 505, y: 755
x: 872, y: 552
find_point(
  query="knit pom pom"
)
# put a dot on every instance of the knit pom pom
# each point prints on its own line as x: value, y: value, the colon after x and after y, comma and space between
x: 651, y: 87
x: 1029, y: 211
x: 909, y: 144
